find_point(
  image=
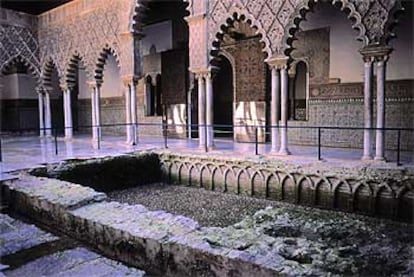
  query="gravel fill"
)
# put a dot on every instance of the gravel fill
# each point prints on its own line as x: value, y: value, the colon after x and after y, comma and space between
x: 209, y: 208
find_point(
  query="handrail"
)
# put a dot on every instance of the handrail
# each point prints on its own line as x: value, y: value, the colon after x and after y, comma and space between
x: 195, y: 128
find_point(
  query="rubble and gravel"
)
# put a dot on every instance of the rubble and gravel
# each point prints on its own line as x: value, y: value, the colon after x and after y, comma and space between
x: 295, y: 240
x: 209, y: 208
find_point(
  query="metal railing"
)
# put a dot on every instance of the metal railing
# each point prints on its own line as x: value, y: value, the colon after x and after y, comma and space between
x: 165, y: 127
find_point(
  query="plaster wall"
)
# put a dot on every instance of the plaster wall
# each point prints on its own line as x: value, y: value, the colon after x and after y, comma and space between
x: 111, y: 86
x: 84, y: 92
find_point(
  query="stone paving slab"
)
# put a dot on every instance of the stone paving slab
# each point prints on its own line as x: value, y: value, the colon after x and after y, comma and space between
x: 16, y: 236
x: 74, y: 262
x: 65, y: 194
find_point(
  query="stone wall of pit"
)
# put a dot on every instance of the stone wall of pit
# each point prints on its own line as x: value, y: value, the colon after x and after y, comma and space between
x: 367, y: 190
x: 162, y: 243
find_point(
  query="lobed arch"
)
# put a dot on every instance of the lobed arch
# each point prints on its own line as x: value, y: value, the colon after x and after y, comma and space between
x: 47, y: 71
x: 101, y: 61
x: 374, y: 20
x: 299, y: 15
x: 34, y: 71
x: 71, y: 69
x: 242, y: 16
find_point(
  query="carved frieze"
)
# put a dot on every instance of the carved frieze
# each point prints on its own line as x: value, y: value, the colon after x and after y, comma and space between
x: 396, y: 89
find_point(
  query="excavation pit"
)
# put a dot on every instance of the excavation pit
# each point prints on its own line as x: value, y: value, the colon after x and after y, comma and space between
x: 282, y: 239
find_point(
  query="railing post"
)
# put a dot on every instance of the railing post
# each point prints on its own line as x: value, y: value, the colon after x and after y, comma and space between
x: 256, y: 132
x: 99, y: 137
x: 398, y: 147
x: 1, y: 154
x: 56, y: 144
x: 165, y: 132
x: 319, y: 143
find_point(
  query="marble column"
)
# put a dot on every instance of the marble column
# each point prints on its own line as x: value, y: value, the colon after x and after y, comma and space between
x: 284, y: 111
x: 134, y: 116
x: 367, y: 155
x: 274, y: 108
x: 98, y: 111
x: 189, y: 121
x: 68, y: 113
x: 209, y: 110
x: 128, y: 113
x: 92, y: 87
x: 48, y: 115
x: 201, y: 110
x: 41, y: 114
x: 380, y: 134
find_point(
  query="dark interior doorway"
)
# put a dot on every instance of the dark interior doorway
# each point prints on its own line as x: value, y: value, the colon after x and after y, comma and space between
x: 223, y: 98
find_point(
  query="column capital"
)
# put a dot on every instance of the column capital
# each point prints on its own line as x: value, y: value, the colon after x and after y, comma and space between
x: 66, y: 87
x: 375, y: 53
x: 201, y: 72
x: 130, y: 80
x: 280, y: 62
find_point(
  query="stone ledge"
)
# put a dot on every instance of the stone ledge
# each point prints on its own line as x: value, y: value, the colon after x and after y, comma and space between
x: 157, y: 241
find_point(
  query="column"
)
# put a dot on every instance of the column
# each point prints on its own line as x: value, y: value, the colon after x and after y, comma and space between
x: 128, y: 113
x: 291, y: 84
x: 284, y: 111
x: 367, y: 108
x: 68, y: 113
x: 48, y: 115
x: 274, y: 108
x: 189, y: 122
x: 98, y: 111
x: 133, y: 92
x: 201, y: 110
x: 92, y: 87
x: 209, y: 110
x: 380, y: 134
x: 41, y: 114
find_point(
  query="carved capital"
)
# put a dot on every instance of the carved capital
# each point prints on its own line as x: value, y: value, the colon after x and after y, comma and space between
x: 278, y: 62
x: 375, y: 53
x: 201, y: 72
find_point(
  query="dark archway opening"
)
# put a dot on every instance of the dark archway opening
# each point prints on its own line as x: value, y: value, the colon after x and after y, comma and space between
x: 223, y: 98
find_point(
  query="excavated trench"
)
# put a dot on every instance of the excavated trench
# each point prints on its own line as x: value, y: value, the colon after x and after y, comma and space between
x: 211, y: 233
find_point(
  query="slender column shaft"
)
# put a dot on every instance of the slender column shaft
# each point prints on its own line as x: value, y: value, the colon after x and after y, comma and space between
x: 94, y: 129
x: 128, y: 114
x: 133, y: 91
x: 380, y: 134
x: 275, y: 104
x: 41, y: 115
x: 367, y: 110
x: 284, y: 112
x: 98, y: 110
x: 201, y: 110
x: 209, y: 111
x: 68, y: 114
x: 48, y: 115
x: 189, y: 122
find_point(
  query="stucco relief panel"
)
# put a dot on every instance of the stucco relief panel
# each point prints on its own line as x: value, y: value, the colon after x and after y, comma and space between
x: 19, y: 41
x: 86, y: 35
x: 198, y: 43
x: 313, y: 47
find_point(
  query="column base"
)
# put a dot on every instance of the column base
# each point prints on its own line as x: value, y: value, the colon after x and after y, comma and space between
x: 366, y: 158
x: 284, y: 152
x: 380, y: 159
